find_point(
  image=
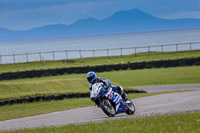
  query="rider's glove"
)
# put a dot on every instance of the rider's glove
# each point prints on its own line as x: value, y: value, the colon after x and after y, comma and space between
x: 106, y: 86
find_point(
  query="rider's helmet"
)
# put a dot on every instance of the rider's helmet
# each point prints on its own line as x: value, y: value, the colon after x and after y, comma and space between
x: 91, y: 76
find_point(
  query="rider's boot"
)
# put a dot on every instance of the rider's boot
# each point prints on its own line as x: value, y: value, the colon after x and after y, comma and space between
x: 124, y: 96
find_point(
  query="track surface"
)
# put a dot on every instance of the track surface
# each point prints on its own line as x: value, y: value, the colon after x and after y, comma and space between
x: 158, y: 104
x: 163, y: 88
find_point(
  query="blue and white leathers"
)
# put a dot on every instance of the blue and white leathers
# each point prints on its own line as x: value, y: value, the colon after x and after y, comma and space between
x: 98, y: 93
x: 117, y: 99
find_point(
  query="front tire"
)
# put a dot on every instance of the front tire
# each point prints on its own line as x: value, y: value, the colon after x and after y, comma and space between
x: 130, y: 106
x: 107, y: 108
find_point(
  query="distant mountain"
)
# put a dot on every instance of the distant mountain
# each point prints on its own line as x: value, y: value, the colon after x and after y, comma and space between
x: 121, y: 22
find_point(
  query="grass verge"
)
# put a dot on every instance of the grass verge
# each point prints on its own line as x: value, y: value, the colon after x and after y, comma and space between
x: 77, y: 82
x: 30, y: 109
x: 182, y: 123
x: 98, y: 61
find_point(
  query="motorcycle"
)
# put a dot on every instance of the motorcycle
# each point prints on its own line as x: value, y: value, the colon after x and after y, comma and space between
x: 109, y: 101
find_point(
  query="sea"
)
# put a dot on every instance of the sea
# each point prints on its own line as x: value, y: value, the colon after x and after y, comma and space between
x: 97, y: 45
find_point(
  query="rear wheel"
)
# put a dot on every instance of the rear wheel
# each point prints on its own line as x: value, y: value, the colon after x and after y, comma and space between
x: 131, y: 107
x: 107, y: 108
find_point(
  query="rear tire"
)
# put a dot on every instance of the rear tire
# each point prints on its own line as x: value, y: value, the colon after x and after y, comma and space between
x: 107, y: 108
x: 131, y: 107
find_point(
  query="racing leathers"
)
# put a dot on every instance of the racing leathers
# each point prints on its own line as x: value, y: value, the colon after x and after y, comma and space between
x: 106, y: 82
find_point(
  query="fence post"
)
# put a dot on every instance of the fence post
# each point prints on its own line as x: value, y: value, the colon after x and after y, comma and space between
x: 176, y: 47
x: 53, y: 56
x: 26, y: 57
x: 40, y: 56
x: 0, y: 60
x: 135, y: 51
x: 66, y: 54
x: 190, y: 46
x: 162, y: 48
x: 80, y: 53
x: 149, y: 50
x: 14, y: 58
x: 121, y: 51
x: 93, y: 53
x: 107, y: 52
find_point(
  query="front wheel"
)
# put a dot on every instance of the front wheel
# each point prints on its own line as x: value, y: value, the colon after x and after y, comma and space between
x: 107, y: 108
x: 130, y: 106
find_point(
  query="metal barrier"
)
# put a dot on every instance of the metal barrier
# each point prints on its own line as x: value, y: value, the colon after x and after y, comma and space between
x: 70, y: 54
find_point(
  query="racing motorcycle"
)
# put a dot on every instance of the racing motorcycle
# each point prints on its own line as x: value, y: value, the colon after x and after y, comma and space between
x: 109, y: 101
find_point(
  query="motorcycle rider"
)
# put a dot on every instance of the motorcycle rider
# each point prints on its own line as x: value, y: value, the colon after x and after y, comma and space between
x: 92, y: 78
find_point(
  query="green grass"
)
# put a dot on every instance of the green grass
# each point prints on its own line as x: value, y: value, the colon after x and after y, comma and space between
x: 171, y: 123
x: 30, y: 109
x: 98, y: 61
x: 77, y: 82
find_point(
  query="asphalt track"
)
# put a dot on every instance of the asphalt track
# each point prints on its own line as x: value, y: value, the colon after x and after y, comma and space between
x: 158, y: 104
x: 164, y: 88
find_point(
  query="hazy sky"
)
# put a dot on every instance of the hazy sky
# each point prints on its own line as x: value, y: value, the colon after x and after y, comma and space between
x: 26, y: 14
